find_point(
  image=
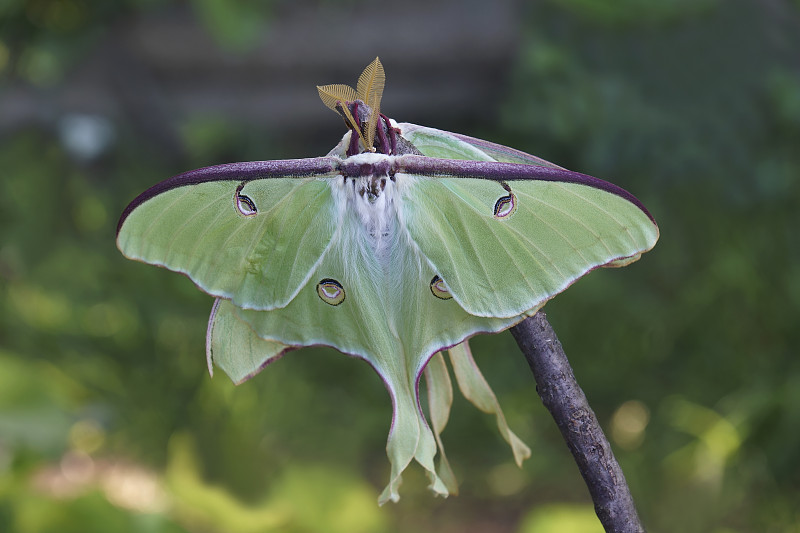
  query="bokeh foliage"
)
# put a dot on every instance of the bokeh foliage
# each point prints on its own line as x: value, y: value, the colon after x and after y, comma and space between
x: 108, y: 421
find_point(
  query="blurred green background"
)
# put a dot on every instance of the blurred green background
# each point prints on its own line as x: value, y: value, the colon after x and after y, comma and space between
x: 108, y: 419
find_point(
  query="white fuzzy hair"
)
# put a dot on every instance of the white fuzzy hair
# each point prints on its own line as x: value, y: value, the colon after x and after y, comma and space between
x: 372, y: 235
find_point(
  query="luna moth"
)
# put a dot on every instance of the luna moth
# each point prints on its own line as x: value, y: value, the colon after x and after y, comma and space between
x: 401, y: 242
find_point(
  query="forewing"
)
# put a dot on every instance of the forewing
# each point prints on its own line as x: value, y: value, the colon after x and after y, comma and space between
x: 504, y: 248
x: 255, y: 241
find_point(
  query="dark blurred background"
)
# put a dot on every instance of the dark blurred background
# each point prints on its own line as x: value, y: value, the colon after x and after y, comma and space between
x: 108, y: 419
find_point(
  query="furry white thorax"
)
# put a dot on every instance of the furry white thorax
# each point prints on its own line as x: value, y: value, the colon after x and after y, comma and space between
x: 374, y: 201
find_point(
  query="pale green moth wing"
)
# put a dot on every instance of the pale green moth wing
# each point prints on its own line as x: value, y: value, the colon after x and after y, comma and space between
x: 447, y: 145
x: 440, y: 144
x: 250, y: 232
x: 444, y: 144
x: 507, y: 237
x: 234, y: 347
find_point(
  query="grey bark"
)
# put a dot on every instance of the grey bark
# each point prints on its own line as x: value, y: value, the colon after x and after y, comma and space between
x: 563, y: 397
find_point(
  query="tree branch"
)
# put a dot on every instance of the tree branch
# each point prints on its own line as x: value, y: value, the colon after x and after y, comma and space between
x: 565, y: 400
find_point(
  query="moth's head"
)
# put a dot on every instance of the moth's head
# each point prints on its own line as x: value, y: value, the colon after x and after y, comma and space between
x: 359, y: 107
x: 356, y: 114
